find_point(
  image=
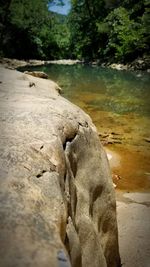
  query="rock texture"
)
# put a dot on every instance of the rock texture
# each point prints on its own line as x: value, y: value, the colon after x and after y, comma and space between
x: 57, y: 202
x: 38, y: 74
x: 134, y: 228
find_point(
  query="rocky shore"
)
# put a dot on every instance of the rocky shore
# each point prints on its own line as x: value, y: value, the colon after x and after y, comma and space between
x: 133, y: 215
x: 15, y: 63
x: 140, y: 64
x: 42, y: 155
x: 57, y: 201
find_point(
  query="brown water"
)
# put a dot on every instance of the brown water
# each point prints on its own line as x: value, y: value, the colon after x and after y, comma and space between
x: 119, y: 105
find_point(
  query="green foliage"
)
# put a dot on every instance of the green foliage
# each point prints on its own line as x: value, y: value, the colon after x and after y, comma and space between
x: 83, y: 17
x: 29, y: 14
x: 29, y: 30
x: 21, y: 25
x: 145, y: 20
x: 124, y: 35
x: 110, y: 30
x: 61, y: 35
x: 105, y: 30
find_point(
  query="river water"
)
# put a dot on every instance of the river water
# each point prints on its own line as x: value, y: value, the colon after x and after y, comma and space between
x: 119, y: 105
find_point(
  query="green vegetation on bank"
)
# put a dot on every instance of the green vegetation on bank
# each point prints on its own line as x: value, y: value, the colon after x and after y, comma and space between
x: 109, y: 29
x: 29, y: 30
x: 104, y: 30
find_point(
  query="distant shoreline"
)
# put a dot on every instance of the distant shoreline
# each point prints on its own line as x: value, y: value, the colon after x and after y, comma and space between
x: 137, y: 65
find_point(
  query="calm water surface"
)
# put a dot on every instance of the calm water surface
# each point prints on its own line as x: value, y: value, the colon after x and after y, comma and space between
x: 118, y: 102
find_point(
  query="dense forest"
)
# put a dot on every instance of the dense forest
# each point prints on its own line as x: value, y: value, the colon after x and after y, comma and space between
x: 104, y: 30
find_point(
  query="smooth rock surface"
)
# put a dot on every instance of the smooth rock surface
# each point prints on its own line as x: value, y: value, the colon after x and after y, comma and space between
x: 57, y: 202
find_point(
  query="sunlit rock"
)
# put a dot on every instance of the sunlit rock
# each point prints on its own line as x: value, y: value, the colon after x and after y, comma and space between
x: 57, y: 201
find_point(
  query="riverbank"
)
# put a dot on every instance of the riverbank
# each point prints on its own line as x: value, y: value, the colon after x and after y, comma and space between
x: 56, y: 190
x: 139, y: 64
x: 15, y: 63
x: 133, y: 213
x: 129, y: 134
x: 129, y: 212
x: 126, y: 135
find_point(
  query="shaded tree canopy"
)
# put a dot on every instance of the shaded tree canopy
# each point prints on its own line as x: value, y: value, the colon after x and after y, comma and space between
x: 105, y: 30
x: 29, y: 30
x: 110, y: 29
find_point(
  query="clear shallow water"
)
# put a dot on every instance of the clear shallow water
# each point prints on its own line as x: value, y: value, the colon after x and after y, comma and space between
x: 117, y: 101
x: 111, y: 90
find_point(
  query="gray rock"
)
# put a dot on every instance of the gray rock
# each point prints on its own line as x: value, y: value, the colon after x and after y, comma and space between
x: 39, y: 74
x: 56, y: 191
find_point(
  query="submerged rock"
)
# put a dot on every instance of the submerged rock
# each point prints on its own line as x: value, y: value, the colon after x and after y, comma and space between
x: 57, y: 201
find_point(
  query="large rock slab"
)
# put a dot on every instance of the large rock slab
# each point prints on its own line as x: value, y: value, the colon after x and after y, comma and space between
x: 57, y: 202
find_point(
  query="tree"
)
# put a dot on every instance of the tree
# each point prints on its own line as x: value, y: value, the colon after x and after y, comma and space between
x: 110, y: 30
x: 61, y: 35
x: 145, y: 21
x: 124, y: 36
x: 4, y: 15
x: 83, y: 18
x: 24, y: 26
